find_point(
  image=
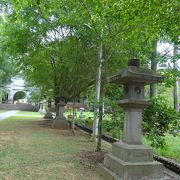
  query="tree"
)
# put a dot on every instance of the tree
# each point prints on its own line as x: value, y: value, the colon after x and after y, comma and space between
x: 168, y: 65
x: 154, y: 64
x: 7, y: 69
x: 42, y: 44
x: 116, y: 31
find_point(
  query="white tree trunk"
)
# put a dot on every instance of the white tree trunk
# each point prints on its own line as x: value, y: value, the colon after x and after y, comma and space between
x: 98, y: 88
x: 176, y: 104
x: 175, y: 88
x: 153, y: 87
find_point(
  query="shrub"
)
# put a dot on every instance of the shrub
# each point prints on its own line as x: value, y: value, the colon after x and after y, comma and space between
x: 113, y: 124
x: 159, y: 119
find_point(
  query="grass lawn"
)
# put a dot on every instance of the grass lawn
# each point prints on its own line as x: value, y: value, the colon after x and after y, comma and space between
x: 172, y: 150
x: 29, y: 150
x: 85, y: 114
x: 2, y: 111
x: 28, y: 113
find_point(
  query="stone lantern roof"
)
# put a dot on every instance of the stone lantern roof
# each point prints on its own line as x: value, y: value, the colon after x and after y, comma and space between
x: 134, y: 79
x: 133, y: 73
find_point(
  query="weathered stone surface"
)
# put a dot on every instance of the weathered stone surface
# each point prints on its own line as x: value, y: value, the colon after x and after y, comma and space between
x: 134, y: 62
x: 133, y: 103
x: 107, y: 174
x: 130, y: 159
x: 132, y: 126
x: 48, y: 115
x: 128, y: 170
x: 133, y: 90
x: 135, y: 74
x: 60, y: 124
x: 132, y: 153
x: 60, y: 120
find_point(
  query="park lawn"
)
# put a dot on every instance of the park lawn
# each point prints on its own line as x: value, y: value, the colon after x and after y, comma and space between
x: 86, y: 114
x: 28, y: 113
x: 2, y: 111
x: 172, y: 150
x: 30, y: 150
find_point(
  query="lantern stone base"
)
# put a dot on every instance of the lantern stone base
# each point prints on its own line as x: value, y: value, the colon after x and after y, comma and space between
x: 60, y: 123
x: 48, y: 115
x: 131, y: 162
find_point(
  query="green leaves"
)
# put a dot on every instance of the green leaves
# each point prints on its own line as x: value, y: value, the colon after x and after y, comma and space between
x: 56, y: 42
x: 159, y: 119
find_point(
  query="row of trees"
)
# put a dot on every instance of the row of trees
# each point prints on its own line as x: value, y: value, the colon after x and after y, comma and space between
x: 66, y: 46
x: 6, y: 67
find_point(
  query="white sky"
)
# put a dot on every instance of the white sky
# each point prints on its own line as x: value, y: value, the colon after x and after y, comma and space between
x: 167, y: 48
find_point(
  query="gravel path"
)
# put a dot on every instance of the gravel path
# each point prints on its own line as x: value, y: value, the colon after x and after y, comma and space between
x: 7, y: 114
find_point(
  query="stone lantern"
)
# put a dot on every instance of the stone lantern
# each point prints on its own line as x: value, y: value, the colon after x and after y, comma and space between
x: 48, y: 114
x: 130, y: 159
x: 60, y: 120
x: 42, y: 108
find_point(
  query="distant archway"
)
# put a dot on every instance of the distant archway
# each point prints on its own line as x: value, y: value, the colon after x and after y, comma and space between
x: 19, y: 97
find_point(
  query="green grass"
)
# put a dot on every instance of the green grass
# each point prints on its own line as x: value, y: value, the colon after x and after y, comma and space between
x: 28, y: 113
x: 30, y: 151
x: 85, y: 114
x: 2, y: 111
x: 172, y: 150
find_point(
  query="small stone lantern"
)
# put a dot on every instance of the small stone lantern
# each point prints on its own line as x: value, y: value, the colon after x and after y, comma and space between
x: 130, y: 159
x: 60, y: 120
x: 40, y: 107
x: 48, y: 114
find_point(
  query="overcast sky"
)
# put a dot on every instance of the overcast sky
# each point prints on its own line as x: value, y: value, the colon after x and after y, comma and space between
x: 166, y: 47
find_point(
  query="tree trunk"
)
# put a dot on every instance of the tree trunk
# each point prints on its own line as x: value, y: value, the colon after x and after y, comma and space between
x: 56, y: 97
x: 153, y: 88
x: 98, y: 89
x: 56, y: 100
x: 175, y: 88
x: 100, y: 129
x: 101, y: 113
x: 175, y: 92
x: 73, y: 120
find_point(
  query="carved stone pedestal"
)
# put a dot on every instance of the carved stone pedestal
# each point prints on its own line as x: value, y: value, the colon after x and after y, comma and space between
x: 130, y: 162
x: 60, y: 121
x: 48, y: 115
